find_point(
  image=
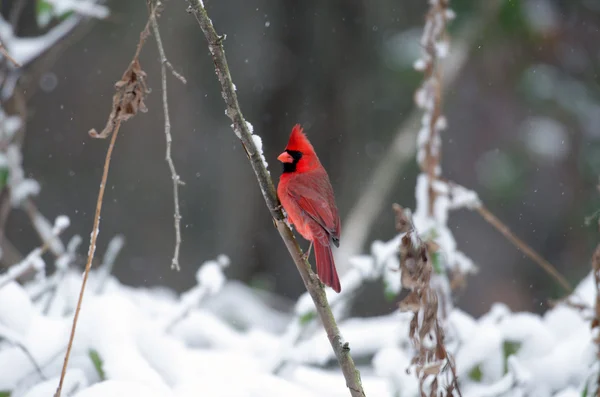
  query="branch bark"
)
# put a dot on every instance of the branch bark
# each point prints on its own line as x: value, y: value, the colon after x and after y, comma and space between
x: 240, y: 127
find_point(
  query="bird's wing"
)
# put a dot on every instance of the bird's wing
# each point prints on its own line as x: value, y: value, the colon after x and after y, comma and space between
x: 314, y: 195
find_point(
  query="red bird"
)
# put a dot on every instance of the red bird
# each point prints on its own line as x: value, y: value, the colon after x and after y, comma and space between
x: 306, y: 195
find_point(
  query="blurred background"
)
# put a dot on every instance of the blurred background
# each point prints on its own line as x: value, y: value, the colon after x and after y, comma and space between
x: 523, y: 110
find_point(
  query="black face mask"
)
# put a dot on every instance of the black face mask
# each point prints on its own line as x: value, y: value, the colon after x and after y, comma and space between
x: 291, y: 167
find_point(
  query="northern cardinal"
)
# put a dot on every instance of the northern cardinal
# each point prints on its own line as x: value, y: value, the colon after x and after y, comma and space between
x: 306, y: 195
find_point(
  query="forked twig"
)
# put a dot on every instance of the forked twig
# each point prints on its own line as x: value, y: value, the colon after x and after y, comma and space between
x: 240, y: 127
x: 164, y: 63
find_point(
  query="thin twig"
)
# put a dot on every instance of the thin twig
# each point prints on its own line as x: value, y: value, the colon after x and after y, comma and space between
x: 522, y: 246
x: 40, y: 223
x: 127, y: 102
x: 174, y: 176
x: 240, y: 127
x: 91, y: 252
x: 7, y: 55
x: 175, y: 73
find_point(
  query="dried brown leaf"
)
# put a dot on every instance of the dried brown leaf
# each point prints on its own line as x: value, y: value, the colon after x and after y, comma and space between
x: 411, y: 303
x: 432, y: 369
x: 128, y: 100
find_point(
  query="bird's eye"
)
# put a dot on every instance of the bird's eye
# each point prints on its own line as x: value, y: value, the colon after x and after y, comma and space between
x: 296, y: 155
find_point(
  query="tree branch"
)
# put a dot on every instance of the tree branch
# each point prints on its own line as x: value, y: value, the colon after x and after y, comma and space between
x: 374, y: 197
x: 174, y: 175
x: 241, y: 129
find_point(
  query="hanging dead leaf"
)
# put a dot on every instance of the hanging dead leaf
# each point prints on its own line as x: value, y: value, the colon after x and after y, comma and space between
x: 128, y: 100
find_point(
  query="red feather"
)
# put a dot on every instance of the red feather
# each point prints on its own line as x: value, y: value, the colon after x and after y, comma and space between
x: 306, y: 195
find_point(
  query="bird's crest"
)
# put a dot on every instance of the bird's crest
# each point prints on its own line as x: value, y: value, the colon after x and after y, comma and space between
x: 298, y: 141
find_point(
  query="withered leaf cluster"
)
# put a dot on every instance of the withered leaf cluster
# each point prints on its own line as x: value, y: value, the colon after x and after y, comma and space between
x: 128, y: 100
x: 426, y: 333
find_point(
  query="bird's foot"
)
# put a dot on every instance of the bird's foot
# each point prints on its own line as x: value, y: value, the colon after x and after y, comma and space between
x: 307, y: 253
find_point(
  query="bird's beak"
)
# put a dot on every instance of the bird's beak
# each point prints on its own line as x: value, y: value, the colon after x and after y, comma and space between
x: 285, y: 157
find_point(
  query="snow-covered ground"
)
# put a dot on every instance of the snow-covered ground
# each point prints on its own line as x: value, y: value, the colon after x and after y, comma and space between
x: 224, y: 339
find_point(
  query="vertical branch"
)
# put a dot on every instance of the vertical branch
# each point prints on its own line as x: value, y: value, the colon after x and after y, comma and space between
x: 174, y: 176
x: 241, y: 129
x: 401, y: 149
x: 91, y: 251
x: 426, y: 330
x: 429, y: 96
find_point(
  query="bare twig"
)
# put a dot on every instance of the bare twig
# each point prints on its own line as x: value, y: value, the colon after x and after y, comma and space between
x: 41, y: 225
x: 522, y: 246
x: 7, y: 55
x: 129, y: 99
x: 240, y: 127
x: 164, y: 63
x: 175, y: 73
x: 91, y: 252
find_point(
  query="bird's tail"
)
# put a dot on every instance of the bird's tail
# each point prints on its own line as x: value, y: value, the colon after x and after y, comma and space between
x: 326, y: 267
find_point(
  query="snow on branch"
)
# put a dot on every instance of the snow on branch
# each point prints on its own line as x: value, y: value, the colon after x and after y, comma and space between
x: 23, y: 50
x: 33, y: 261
